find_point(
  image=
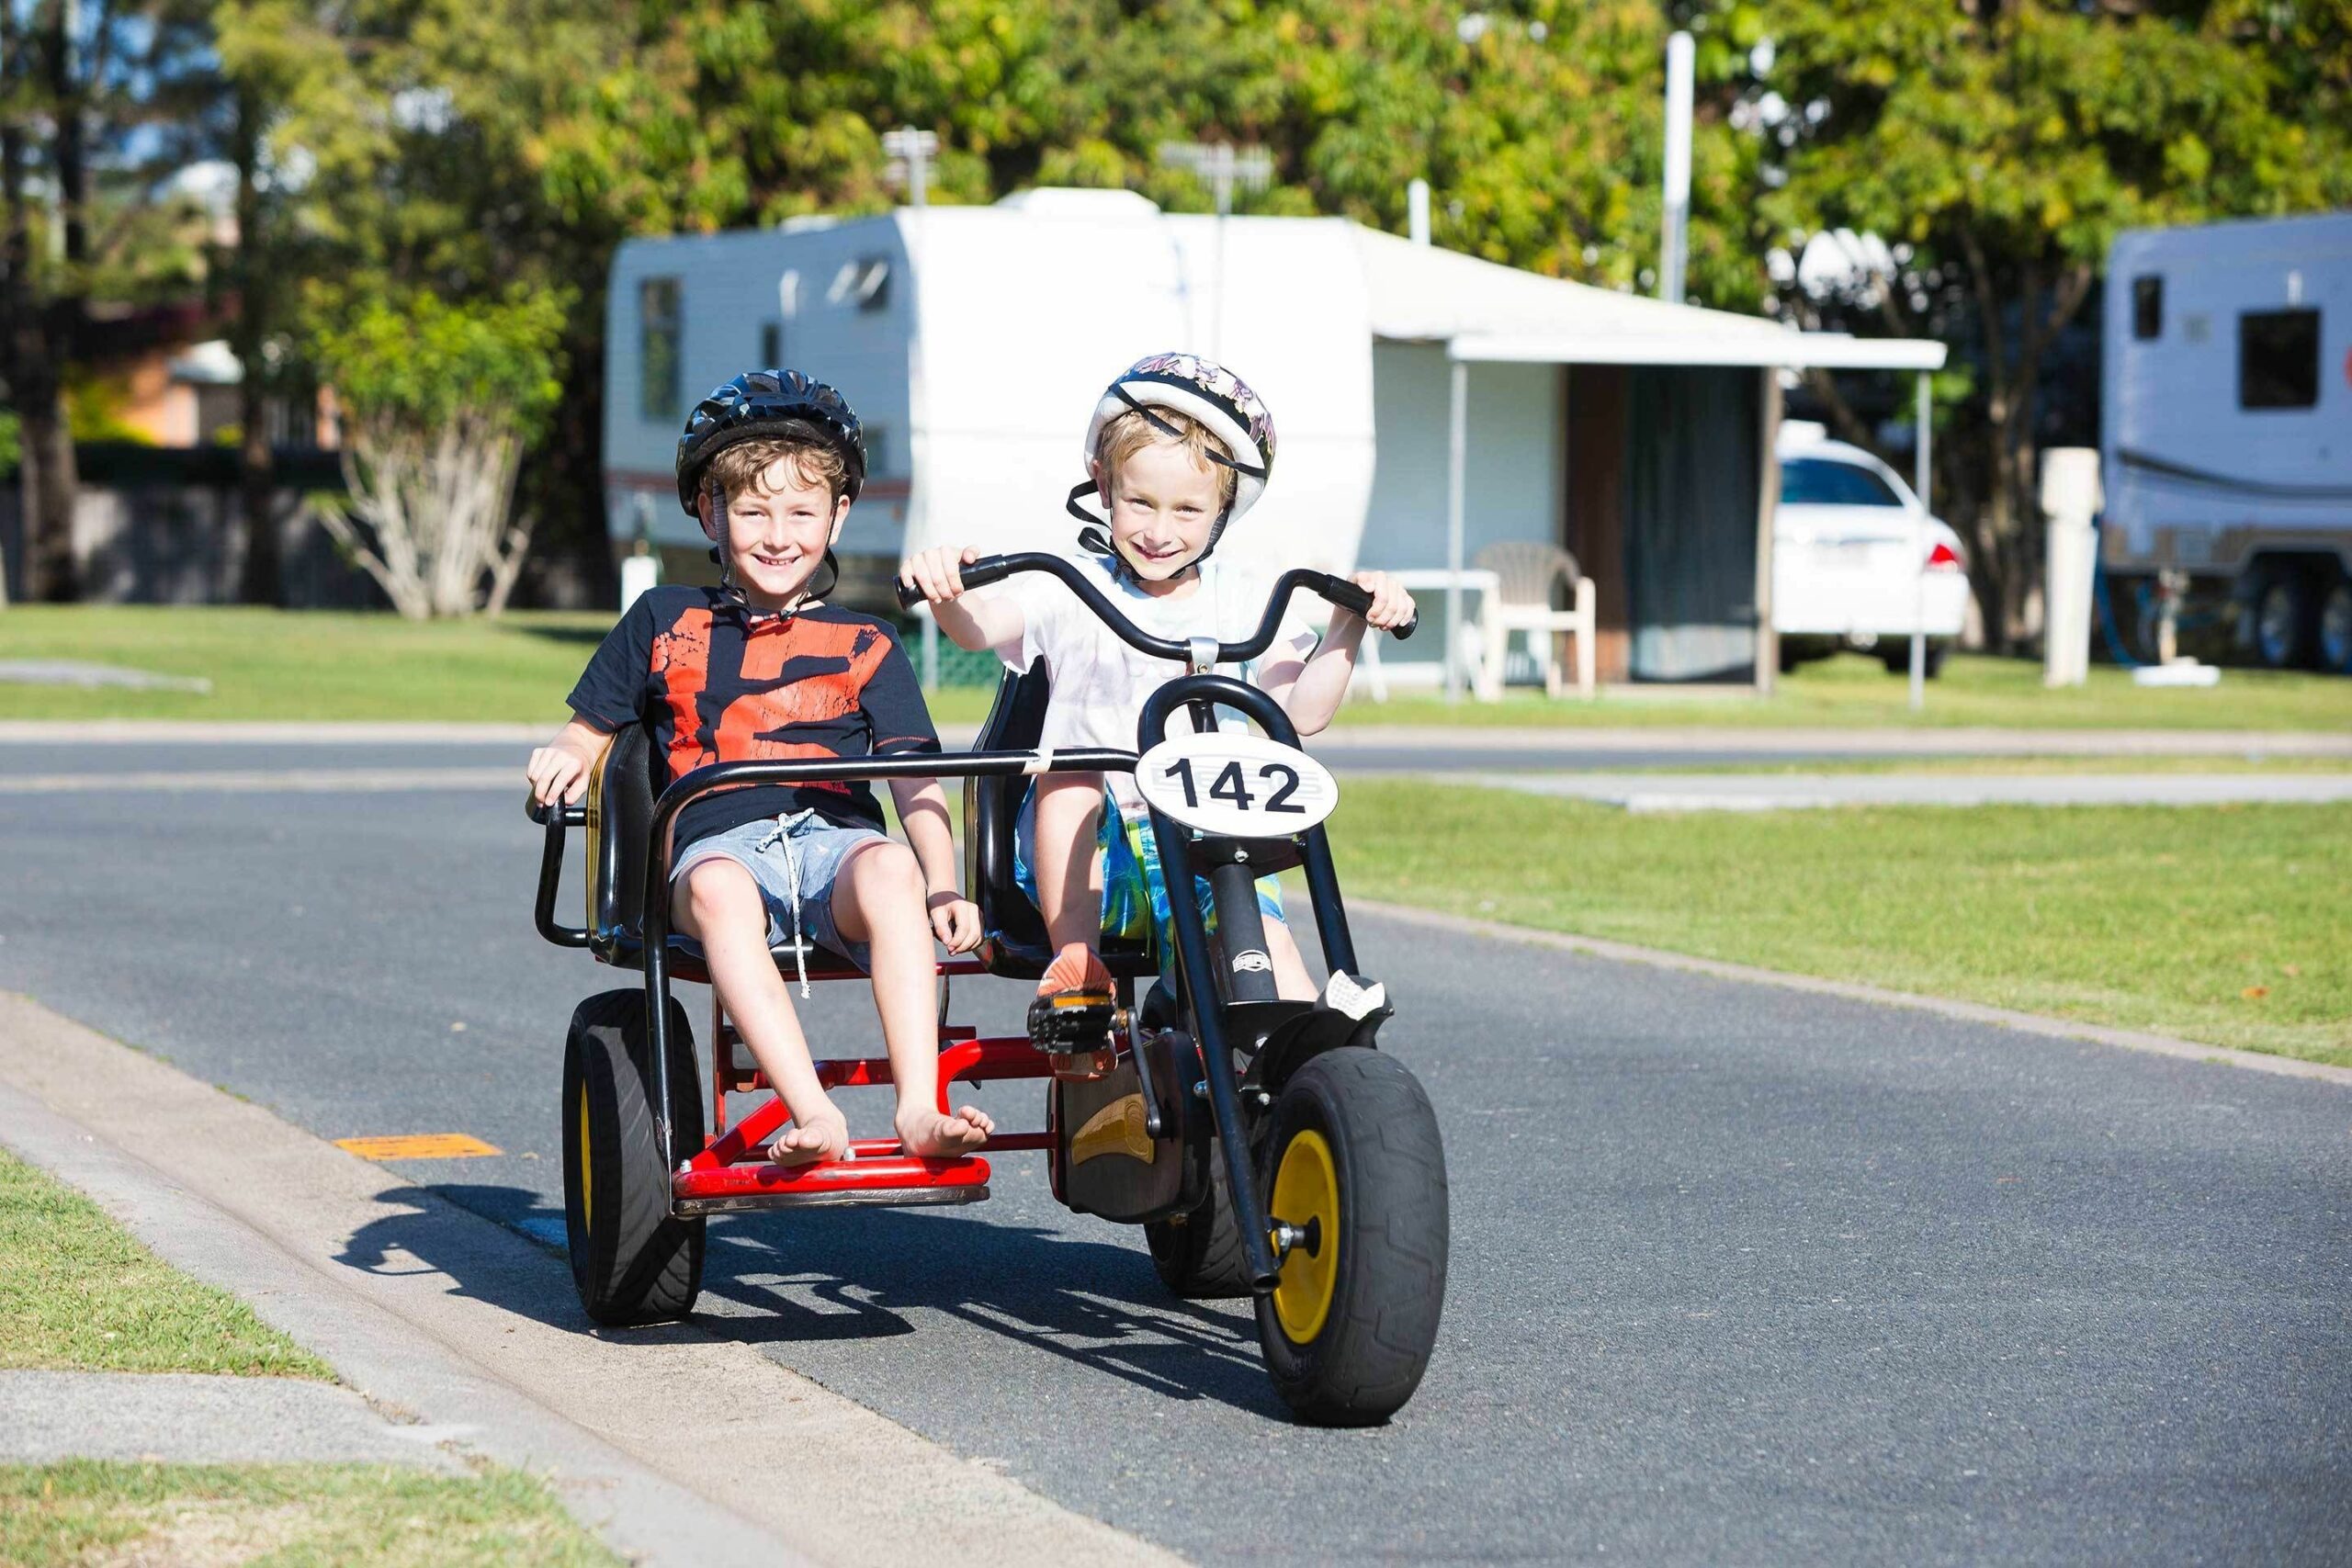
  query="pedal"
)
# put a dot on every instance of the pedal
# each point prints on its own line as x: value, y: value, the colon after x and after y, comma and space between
x: 1071, y: 1023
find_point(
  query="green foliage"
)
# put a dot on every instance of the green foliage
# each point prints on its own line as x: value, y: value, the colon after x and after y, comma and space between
x: 424, y: 362
x: 11, y: 441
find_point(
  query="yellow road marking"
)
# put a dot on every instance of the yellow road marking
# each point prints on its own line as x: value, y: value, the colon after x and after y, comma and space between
x: 417, y: 1145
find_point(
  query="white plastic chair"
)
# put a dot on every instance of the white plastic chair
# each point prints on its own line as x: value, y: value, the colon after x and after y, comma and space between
x: 1524, y: 602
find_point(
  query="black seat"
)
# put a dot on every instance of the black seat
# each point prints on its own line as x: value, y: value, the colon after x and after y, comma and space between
x: 621, y: 792
x: 1015, y: 943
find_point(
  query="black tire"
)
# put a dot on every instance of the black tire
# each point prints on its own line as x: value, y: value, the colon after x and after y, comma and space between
x: 2286, y: 621
x: 2335, y: 628
x: 1199, y: 1257
x: 631, y: 1261
x: 1363, y: 1361
x: 1897, y: 660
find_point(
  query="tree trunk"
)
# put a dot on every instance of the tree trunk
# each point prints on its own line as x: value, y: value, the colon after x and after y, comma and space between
x: 256, y: 468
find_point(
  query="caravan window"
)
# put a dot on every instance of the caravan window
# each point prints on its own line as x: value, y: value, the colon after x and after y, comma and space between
x: 657, y: 348
x: 2147, y: 306
x: 2279, y: 359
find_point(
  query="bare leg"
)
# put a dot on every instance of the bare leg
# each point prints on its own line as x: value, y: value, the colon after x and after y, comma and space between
x: 1069, y: 877
x: 1291, y: 980
x: 724, y: 911
x: 879, y: 900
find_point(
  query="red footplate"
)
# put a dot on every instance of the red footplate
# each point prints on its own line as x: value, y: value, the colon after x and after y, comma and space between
x: 878, y: 1175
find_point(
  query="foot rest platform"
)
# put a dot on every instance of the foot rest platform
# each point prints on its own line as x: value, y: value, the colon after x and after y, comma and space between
x: 878, y: 1174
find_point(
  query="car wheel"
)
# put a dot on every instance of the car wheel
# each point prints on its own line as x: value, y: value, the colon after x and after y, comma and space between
x: 1897, y: 660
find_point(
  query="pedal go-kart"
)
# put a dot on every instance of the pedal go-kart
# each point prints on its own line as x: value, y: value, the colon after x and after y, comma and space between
x: 1266, y: 1146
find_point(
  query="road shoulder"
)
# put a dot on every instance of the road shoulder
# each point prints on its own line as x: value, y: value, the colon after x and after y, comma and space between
x: 676, y: 1445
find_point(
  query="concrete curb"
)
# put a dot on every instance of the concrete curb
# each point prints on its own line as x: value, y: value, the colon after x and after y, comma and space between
x: 1972, y: 1012
x: 681, y: 1446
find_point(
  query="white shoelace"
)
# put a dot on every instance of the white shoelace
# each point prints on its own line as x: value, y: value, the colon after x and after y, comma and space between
x: 782, y: 833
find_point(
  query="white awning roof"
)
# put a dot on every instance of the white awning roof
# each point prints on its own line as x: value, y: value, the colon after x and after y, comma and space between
x: 1485, y: 311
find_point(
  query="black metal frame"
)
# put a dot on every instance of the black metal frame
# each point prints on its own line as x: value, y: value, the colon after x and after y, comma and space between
x: 1230, y: 867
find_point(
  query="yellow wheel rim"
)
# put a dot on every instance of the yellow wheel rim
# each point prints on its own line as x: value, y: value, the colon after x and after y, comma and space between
x: 585, y: 1167
x: 1307, y: 1198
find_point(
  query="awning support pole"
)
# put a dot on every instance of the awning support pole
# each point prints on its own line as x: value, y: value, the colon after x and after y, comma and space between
x: 1919, y: 471
x: 1457, y: 447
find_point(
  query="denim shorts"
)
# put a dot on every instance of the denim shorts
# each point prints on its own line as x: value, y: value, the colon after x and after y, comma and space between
x: 796, y: 861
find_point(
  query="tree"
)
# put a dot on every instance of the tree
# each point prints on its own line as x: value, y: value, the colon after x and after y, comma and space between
x: 2001, y: 144
x: 438, y: 401
x: 97, y: 106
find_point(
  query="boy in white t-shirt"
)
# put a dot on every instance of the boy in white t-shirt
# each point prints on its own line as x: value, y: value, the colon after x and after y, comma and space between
x: 1178, y: 449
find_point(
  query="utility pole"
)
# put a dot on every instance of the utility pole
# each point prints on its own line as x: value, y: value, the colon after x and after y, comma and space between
x: 911, y: 151
x: 1224, y: 166
x: 1676, y: 246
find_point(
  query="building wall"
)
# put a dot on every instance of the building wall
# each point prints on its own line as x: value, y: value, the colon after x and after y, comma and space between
x: 1513, y: 471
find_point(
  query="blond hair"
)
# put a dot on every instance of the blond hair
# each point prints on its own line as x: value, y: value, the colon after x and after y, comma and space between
x: 1132, y: 431
x: 744, y: 466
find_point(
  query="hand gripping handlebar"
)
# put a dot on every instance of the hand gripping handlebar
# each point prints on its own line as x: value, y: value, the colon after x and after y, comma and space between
x: 1337, y: 589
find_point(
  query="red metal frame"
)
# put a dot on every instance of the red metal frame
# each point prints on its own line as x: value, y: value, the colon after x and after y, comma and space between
x: 730, y: 1169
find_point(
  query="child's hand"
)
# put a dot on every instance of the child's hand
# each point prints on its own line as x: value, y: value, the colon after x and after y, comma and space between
x: 956, y: 921
x: 1391, y: 605
x: 557, y: 772
x: 938, y: 571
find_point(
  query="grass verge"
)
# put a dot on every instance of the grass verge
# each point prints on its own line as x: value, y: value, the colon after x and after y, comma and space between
x: 325, y: 665
x: 91, y: 1511
x: 2225, y: 924
x: 77, y: 1292
x: 1975, y: 690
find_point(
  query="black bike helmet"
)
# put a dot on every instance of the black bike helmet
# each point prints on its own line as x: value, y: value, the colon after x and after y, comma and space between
x: 767, y: 404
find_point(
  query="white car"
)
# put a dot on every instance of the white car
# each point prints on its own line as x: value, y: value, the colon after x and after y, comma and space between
x: 1851, y: 566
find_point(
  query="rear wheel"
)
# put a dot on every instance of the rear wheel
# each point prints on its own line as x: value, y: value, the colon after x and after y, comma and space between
x: 1199, y: 1255
x: 632, y: 1261
x: 2283, y: 622
x: 2335, y: 628
x: 1354, y: 1167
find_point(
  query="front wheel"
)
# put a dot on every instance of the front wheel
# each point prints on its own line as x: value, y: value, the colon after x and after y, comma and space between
x: 2335, y: 628
x: 1897, y: 660
x: 1355, y: 1169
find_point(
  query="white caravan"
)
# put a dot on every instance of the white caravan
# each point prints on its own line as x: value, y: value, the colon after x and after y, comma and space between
x: 2227, y: 446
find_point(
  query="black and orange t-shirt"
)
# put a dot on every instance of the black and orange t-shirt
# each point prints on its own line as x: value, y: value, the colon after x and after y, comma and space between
x: 713, y: 685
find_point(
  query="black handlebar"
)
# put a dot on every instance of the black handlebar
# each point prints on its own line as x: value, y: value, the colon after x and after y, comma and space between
x: 1337, y: 590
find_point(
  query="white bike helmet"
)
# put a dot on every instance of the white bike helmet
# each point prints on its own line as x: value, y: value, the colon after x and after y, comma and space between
x: 1211, y: 394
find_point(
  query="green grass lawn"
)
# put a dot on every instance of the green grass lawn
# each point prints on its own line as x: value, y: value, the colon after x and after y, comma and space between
x: 2224, y: 924
x: 358, y: 1516
x: 269, y: 664
x: 1976, y: 689
x: 77, y: 1292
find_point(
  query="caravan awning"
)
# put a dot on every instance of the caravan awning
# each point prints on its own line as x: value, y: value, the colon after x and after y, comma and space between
x: 1784, y: 350
x: 1486, y: 313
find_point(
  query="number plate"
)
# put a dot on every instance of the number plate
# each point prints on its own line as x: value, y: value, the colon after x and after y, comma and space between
x: 1237, y: 786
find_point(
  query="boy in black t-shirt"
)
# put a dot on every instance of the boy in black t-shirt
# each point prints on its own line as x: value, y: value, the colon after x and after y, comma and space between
x: 758, y: 667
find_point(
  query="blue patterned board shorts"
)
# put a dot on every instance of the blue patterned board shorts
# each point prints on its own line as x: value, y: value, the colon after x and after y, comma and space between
x: 795, y: 880
x: 1135, y: 890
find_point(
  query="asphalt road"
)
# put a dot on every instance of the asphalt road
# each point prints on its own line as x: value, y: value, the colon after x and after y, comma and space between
x: 1739, y: 1274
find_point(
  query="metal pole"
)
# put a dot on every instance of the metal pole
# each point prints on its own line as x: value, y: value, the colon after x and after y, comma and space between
x: 1457, y: 450
x: 1417, y: 211
x: 1919, y: 471
x: 1677, y: 167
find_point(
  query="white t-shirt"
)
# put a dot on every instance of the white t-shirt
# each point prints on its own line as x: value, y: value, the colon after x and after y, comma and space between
x: 1100, y: 684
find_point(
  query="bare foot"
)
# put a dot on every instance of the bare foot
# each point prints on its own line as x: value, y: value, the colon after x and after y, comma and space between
x: 924, y: 1132
x: 822, y: 1138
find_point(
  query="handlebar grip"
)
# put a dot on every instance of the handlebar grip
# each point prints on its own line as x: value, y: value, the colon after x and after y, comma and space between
x: 1356, y: 602
x: 978, y: 574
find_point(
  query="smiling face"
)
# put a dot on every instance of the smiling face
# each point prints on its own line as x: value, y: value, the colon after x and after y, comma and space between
x: 779, y: 524
x: 1164, y: 503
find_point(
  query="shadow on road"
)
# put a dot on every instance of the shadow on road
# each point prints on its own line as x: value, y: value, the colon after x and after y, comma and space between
x: 827, y: 1275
